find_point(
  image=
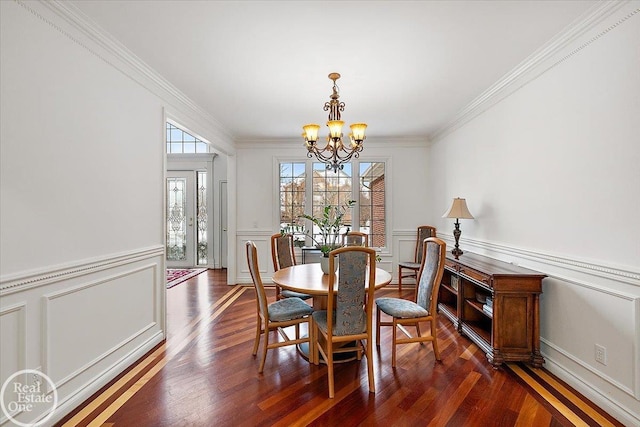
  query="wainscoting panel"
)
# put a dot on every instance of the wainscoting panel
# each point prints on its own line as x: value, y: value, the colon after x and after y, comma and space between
x: 13, y: 351
x: 104, y: 315
x: 83, y: 324
x: 262, y: 239
x: 609, y: 322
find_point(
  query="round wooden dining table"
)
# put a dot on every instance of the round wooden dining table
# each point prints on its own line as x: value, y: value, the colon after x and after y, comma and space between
x: 309, y: 279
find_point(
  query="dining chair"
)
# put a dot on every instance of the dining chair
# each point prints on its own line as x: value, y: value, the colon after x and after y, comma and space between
x: 424, y: 309
x: 283, y: 255
x: 355, y: 238
x: 423, y: 232
x: 348, y: 317
x: 277, y: 315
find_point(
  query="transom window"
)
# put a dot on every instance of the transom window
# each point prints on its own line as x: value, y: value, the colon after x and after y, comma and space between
x: 179, y: 141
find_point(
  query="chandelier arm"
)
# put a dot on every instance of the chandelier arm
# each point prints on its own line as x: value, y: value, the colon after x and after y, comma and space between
x: 354, y: 151
x: 344, y: 158
x: 319, y: 153
x: 335, y: 154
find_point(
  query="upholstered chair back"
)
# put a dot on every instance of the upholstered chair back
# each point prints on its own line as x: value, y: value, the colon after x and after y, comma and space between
x: 431, y: 271
x: 352, y: 304
x: 424, y: 231
x: 355, y: 238
x: 252, y: 262
x: 282, y: 251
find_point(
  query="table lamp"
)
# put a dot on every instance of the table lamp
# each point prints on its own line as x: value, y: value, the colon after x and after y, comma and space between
x: 458, y: 210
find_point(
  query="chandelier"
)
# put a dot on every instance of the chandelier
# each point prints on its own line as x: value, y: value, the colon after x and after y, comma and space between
x: 335, y: 153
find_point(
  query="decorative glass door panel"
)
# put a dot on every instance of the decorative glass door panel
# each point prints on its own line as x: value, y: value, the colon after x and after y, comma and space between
x: 180, y: 240
x: 202, y: 217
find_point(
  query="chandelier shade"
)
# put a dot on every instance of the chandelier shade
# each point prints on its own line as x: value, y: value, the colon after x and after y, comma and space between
x: 335, y: 153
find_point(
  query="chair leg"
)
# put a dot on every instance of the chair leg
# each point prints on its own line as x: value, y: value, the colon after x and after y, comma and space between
x: 400, y: 279
x: 378, y: 326
x: 372, y: 384
x: 313, y: 343
x: 393, y: 349
x: 264, y: 350
x: 330, y: 370
x: 258, y: 331
x: 434, y: 342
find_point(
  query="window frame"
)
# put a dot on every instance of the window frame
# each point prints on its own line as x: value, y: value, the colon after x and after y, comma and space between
x: 355, y: 191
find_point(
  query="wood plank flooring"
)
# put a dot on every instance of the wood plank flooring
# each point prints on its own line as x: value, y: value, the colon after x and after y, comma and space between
x: 204, y: 375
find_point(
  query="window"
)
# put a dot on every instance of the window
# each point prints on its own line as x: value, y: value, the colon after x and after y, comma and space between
x: 292, y: 198
x: 360, y: 181
x: 179, y: 141
x: 332, y: 189
x: 371, y: 201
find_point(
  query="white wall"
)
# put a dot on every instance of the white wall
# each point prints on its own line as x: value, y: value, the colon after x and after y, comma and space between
x: 551, y: 173
x: 408, y: 199
x: 82, y: 199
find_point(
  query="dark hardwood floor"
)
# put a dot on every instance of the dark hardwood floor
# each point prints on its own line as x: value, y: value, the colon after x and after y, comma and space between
x: 205, y: 375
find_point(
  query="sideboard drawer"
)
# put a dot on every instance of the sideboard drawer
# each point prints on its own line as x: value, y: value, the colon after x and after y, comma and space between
x: 476, y: 275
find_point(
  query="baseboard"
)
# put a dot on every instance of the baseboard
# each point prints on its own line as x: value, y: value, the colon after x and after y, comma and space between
x: 618, y: 410
x: 94, y: 385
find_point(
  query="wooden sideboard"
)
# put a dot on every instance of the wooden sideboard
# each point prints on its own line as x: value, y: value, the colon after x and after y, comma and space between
x: 510, y: 330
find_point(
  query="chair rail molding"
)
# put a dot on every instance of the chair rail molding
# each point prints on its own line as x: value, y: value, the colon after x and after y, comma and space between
x: 514, y: 254
x: 32, y: 279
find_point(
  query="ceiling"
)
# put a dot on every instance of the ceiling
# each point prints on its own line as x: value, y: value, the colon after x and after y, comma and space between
x: 260, y: 67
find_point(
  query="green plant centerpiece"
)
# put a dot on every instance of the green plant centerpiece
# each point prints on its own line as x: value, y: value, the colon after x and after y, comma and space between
x: 328, y: 226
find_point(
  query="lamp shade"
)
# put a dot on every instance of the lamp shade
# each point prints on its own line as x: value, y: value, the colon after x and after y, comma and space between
x: 335, y: 128
x: 458, y: 209
x: 311, y: 132
x: 357, y: 130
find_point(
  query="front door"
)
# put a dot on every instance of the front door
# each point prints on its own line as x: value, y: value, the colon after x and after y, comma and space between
x: 180, y: 219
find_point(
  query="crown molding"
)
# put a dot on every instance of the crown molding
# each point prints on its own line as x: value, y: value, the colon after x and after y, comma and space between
x: 86, y: 33
x: 591, y: 26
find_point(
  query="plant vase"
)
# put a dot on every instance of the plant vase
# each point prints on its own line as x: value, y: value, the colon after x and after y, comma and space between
x: 324, y: 264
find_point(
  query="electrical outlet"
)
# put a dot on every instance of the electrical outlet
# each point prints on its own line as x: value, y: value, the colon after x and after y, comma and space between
x: 601, y: 354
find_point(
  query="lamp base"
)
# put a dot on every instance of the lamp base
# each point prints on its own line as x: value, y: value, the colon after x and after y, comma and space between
x: 456, y: 251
